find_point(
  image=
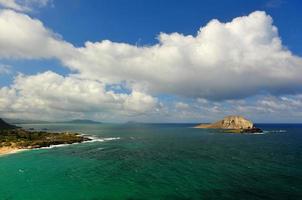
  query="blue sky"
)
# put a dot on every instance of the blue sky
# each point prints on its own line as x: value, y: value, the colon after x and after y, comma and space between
x: 138, y: 21
x: 142, y: 91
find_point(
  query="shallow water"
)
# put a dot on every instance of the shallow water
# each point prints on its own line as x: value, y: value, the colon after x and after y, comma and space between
x: 159, y: 161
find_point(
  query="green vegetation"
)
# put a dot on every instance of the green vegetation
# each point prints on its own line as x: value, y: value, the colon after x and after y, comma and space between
x: 12, y: 136
x: 21, y: 138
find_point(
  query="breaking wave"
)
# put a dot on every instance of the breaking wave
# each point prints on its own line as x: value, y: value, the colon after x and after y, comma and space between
x: 274, y: 131
x: 96, y: 139
x: 92, y: 139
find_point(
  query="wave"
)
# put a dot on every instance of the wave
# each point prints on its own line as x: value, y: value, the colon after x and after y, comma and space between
x: 55, y: 146
x: 269, y: 131
x: 279, y: 131
x: 259, y: 133
x: 96, y: 139
x: 92, y: 139
x: 274, y: 131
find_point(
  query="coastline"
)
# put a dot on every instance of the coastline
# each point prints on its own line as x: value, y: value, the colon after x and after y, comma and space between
x: 10, y: 150
x: 6, y: 150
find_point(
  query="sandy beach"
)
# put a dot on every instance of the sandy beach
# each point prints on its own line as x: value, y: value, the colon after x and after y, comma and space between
x: 9, y: 150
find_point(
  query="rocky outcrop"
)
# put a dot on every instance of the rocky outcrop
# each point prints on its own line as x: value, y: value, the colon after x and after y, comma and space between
x: 229, y: 122
x: 12, y: 138
x: 234, y: 122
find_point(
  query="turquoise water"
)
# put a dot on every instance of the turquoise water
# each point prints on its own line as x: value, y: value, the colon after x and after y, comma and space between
x: 167, y: 161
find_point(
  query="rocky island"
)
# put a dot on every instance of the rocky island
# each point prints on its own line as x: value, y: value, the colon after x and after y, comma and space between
x: 232, y: 124
x: 13, y: 138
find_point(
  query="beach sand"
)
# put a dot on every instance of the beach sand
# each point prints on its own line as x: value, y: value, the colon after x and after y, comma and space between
x: 9, y: 150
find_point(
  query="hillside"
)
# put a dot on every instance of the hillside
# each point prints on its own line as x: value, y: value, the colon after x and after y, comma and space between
x: 6, y: 126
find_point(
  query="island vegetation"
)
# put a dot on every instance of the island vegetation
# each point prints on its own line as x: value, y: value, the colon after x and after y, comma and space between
x: 13, y: 138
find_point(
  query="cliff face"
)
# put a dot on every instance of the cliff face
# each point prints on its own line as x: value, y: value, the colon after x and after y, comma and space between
x: 229, y: 122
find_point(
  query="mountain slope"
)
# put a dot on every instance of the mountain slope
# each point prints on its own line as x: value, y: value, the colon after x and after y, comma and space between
x: 6, y: 126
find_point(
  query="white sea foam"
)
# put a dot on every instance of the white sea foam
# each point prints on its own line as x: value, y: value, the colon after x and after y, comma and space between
x: 259, y: 133
x: 55, y: 146
x: 278, y: 131
x: 96, y: 139
x: 274, y: 131
x: 92, y: 139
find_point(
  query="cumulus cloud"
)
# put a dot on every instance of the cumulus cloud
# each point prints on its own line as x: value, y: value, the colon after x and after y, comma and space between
x: 23, y: 5
x: 22, y: 37
x: 223, y: 61
x: 260, y: 108
x: 54, y: 96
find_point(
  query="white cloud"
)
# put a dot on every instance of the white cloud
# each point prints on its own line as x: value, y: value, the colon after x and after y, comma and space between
x: 260, y: 108
x: 55, y: 96
x: 181, y: 106
x: 223, y: 61
x: 12, y: 4
x: 233, y: 60
x: 23, y: 5
x: 26, y: 38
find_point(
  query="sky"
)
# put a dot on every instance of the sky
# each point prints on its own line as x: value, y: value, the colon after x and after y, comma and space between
x: 151, y: 60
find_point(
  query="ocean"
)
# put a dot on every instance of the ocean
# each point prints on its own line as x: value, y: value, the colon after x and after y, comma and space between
x: 158, y: 161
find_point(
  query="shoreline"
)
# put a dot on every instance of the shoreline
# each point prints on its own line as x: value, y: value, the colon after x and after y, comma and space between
x: 10, y: 150
x: 18, y: 139
x: 7, y: 150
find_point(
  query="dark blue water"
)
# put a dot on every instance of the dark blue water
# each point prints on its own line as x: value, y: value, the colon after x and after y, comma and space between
x: 159, y: 161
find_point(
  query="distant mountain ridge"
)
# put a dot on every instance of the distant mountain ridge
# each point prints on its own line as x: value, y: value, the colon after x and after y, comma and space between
x: 81, y: 121
x: 6, y: 126
x: 31, y: 121
x: 24, y: 121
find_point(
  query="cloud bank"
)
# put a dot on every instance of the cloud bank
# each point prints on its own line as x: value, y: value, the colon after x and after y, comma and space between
x: 223, y: 61
x: 55, y: 96
x: 22, y: 37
